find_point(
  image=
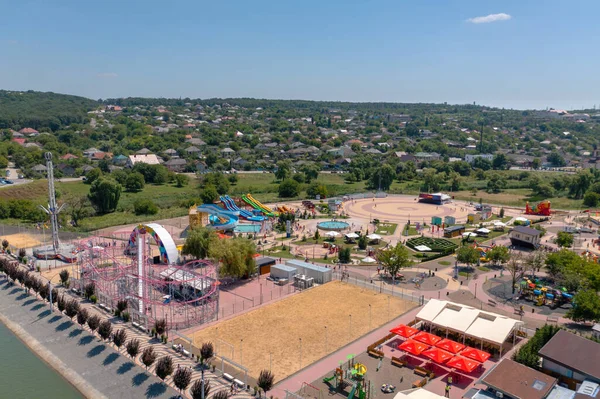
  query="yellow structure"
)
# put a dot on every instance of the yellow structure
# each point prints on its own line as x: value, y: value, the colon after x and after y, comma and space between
x: 197, y: 218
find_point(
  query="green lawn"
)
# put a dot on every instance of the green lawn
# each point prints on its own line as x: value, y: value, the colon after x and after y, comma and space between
x: 386, y: 228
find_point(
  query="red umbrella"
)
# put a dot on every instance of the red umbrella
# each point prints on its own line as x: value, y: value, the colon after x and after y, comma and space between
x: 475, y: 354
x: 437, y: 355
x: 462, y: 364
x: 427, y: 338
x: 404, y: 331
x: 413, y: 347
x: 450, y: 346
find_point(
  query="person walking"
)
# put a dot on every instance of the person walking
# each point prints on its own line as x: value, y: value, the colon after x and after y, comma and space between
x: 447, y: 391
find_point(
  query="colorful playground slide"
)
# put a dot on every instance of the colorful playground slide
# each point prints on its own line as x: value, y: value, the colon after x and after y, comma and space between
x: 230, y: 205
x: 219, y: 218
x: 249, y: 199
x: 284, y: 209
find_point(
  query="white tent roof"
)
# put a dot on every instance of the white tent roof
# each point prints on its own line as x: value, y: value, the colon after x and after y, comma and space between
x: 476, y: 323
x: 374, y: 236
x: 332, y: 234
x: 521, y: 219
x: 499, y: 224
x: 368, y: 259
x: 422, y: 248
x: 352, y: 235
x: 484, y: 230
x: 469, y: 234
x: 418, y: 394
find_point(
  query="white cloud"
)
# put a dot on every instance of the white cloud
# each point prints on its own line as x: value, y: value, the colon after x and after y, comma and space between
x: 490, y: 18
x: 107, y: 75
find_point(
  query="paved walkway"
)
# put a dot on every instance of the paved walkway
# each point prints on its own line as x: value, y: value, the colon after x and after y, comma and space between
x: 93, y: 367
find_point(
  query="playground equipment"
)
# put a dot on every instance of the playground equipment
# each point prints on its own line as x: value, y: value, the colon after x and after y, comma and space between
x: 353, y: 375
x: 285, y: 209
x: 545, y: 295
x: 230, y: 205
x: 541, y: 209
x: 213, y: 216
x: 250, y: 200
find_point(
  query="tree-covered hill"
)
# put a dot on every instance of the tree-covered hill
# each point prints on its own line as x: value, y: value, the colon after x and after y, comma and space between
x: 38, y: 110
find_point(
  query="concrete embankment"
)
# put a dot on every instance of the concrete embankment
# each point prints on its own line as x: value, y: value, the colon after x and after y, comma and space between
x: 93, y: 367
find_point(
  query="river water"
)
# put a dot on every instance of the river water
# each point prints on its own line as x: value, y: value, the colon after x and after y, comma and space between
x: 24, y: 375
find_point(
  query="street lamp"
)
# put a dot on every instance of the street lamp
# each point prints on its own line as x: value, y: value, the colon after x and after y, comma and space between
x: 241, y: 349
x: 350, y: 331
x: 369, y: 317
x: 325, y: 339
x: 300, y: 339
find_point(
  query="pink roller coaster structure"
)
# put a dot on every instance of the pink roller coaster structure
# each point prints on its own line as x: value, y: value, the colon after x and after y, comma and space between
x: 182, y: 294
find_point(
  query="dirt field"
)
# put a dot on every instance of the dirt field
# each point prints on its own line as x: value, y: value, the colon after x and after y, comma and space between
x: 278, y: 328
x: 22, y: 240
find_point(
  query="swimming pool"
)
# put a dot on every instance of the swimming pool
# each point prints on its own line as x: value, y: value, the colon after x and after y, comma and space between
x: 333, y: 225
x: 247, y: 228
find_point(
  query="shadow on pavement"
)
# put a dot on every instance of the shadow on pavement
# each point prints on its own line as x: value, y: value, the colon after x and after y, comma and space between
x: 38, y: 306
x: 54, y: 319
x: 139, y: 379
x: 75, y: 333
x: 125, y: 367
x: 64, y: 326
x: 45, y: 313
x: 155, y: 389
x: 85, y: 340
x: 96, y: 350
x: 110, y: 359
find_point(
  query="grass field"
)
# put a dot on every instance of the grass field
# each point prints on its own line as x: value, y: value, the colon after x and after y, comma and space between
x: 276, y: 329
x: 386, y: 228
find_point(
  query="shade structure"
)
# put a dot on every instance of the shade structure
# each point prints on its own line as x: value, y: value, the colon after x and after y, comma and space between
x: 352, y: 235
x: 462, y: 364
x: 404, y: 331
x: 450, y: 346
x: 332, y: 234
x: 469, y: 234
x: 427, y: 338
x: 437, y: 355
x: 368, y: 259
x: 413, y: 347
x: 374, y: 236
x: 475, y: 354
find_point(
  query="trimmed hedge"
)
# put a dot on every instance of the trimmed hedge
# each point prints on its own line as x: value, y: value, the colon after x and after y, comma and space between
x: 436, y: 244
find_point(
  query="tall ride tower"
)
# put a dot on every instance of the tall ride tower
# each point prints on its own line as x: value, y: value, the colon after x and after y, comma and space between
x: 52, y: 209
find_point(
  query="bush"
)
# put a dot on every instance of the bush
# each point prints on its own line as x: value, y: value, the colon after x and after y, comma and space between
x: 93, y: 299
x: 125, y: 316
x: 135, y: 182
x: 591, y: 199
x: 145, y: 207
x: 64, y: 276
x: 344, y: 255
x: 89, y: 290
x: 528, y: 354
x: 289, y: 188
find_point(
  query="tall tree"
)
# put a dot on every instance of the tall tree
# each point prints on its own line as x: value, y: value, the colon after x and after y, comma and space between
x: 535, y: 261
x: 394, y: 259
x: 587, y: 307
x: 198, y: 242
x: 265, y: 381
x: 182, y: 378
x: 148, y: 356
x: 236, y: 257
x: 104, y: 195
x: 498, y: 254
x: 515, y: 269
x: 564, y: 239
x: 467, y: 255
x: 284, y: 170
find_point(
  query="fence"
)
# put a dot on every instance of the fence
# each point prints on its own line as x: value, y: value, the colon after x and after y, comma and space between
x: 20, y: 236
x: 232, y: 303
x: 365, y: 282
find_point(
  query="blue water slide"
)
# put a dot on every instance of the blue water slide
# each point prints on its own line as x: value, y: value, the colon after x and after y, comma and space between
x: 230, y: 205
x: 218, y: 214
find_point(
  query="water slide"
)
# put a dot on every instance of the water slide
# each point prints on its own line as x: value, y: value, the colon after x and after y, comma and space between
x: 327, y: 379
x: 249, y: 199
x: 230, y: 205
x: 220, y: 219
x: 352, y: 391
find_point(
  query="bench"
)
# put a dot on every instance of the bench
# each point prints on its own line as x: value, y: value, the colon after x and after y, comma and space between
x: 228, y: 377
x: 492, y: 303
x: 396, y: 361
x: 419, y: 383
x: 421, y: 371
x: 239, y: 383
x: 375, y: 353
x: 552, y: 319
x: 136, y: 325
x: 185, y: 353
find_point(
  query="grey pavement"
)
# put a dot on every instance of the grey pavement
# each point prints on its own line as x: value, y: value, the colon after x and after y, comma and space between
x: 100, y: 369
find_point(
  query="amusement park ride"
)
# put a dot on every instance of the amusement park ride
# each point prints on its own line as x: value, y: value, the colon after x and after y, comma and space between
x: 541, y: 209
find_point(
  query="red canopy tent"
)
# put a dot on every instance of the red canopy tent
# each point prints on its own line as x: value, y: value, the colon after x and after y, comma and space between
x: 404, y: 331
x: 437, y: 355
x: 475, y: 354
x: 413, y: 347
x: 427, y: 338
x: 450, y: 346
x: 462, y: 364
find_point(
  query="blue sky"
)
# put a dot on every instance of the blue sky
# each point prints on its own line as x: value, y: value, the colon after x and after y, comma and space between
x: 528, y: 54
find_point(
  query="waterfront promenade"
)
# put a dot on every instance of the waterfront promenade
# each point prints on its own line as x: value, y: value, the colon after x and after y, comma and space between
x: 94, y: 367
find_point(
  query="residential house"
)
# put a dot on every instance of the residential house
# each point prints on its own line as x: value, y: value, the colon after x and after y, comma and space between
x: 201, y: 167
x: 192, y: 150
x: 18, y: 140
x: 120, y: 160
x: 227, y: 152
x: 398, y: 118
x: 89, y: 152
x: 427, y: 156
x: 86, y: 168
x: 373, y: 151
x: 66, y: 170
x: 525, y: 237
x: 143, y: 151
x: 149, y: 159
x: 161, y: 129
x: 69, y: 156
x: 196, y: 142
x: 470, y: 158
x: 33, y: 145
x: 98, y: 156
x: 176, y: 164
x: 405, y: 157
x: 571, y: 358
x: 343, y: 151
x: 239, y: 163
x: 39, y: 168
x: 171, y: 152
x: 27, y: 131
